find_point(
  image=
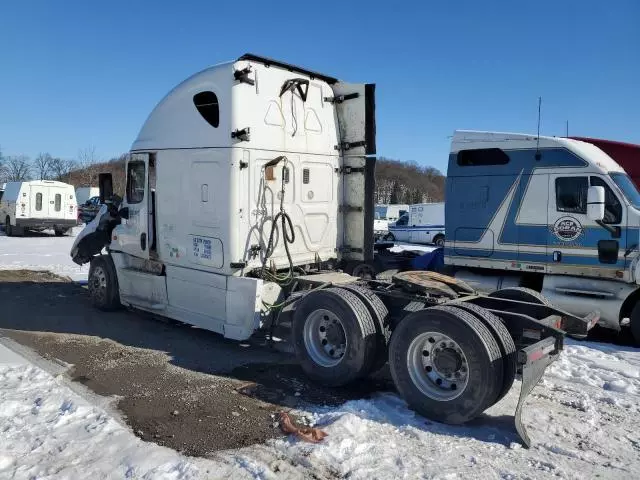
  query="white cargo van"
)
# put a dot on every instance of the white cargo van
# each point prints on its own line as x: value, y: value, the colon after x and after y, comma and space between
x: 424, y: 223
x: 37, y: 205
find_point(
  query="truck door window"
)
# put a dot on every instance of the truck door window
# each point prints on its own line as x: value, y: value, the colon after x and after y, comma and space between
x: 571, y: 194
x: 38, y: 201
x: 612, y: 206
x: 135, y: 182
x: 403, y: 220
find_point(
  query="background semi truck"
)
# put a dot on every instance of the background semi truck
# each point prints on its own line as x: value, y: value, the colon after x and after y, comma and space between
x: 627, y: 155
x: 249, y: 186
x: 556, y: 215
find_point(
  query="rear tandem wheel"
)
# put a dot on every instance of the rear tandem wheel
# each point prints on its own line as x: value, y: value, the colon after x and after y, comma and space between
x: 334, y: 337
x: 446, y: 364
x: 504, y: 339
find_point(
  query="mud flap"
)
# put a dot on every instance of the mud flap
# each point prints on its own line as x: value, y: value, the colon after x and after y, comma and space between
x: 534, y: 360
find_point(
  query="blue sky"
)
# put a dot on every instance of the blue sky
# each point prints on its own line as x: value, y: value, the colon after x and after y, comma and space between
x: 75, y: 74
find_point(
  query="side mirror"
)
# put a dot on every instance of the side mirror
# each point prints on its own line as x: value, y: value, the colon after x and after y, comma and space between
x: 595, y: 204
x: 124, y: 212
x: 105, y: 184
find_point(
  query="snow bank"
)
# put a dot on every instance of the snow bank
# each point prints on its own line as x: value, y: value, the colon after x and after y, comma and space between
x: 401, y: 247
x: 605, y: 366
x: 41, y: 251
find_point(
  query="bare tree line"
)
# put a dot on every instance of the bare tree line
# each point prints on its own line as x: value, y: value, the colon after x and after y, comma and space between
x: 81, y: 171
x: 396, y: 181
x: 407, y: 182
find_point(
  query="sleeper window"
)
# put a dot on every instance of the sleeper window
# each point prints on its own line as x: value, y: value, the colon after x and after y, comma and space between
x: 571, y: 194
x: 38, y: 201
x: 612, y: 206
x: 482, y: 157
x: 207, y: 105
x: 135, y: 182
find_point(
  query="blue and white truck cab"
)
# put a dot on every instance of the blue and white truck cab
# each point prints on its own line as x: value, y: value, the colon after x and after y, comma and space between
x: 554, y: 214
x: 423, y: 223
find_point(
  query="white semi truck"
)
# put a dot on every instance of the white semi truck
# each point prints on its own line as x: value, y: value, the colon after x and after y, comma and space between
x: 249, y: 186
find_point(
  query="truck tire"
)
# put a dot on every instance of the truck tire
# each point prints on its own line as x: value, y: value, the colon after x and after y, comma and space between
x: 635, y: 323
x: 446, y: 364
x: 334, y: 337
x: 505, y: 342
x: 438, y: 240
x: 8, y: 229
x: 521, y: 294
x: 389, y: 237
x: 380, y: 314
x: 59, y: 231
x: 103, y: 284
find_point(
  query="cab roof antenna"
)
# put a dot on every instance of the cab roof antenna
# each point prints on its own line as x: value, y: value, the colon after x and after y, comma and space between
x: 538, y: 155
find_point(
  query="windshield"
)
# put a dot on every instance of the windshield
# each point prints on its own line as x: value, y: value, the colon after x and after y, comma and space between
x: 628, y: 188
x: 381, y: 213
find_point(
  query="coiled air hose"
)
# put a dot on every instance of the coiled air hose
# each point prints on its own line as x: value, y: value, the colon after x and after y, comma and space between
x: 288, y: 233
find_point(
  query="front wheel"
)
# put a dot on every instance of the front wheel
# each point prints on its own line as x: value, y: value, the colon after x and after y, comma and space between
x: 439, y: 241
x: 103, y: 284
x: 390, y: 237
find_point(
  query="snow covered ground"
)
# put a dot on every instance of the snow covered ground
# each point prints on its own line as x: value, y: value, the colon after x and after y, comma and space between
x: 583, y: 418
x: 400, y: 247
x: 41, y: 251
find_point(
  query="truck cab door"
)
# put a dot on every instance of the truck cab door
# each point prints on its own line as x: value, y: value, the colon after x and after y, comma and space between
x: 577, y: 245
x: 133, y: 233
x: 401, y: 231
x: 355, y: 117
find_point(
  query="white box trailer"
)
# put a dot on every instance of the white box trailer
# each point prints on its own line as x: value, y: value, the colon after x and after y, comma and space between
x: 249, y: 186
x: 423, y: 223
x: 37, y: 205
x: 385, y: 214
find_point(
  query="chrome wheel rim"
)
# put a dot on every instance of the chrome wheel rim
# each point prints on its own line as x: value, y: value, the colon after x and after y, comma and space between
x: 437, y: 366
x: 440, y: 242
x: 98, y: 284
x: 325, y: 338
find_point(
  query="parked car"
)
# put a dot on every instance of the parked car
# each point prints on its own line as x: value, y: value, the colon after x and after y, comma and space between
x: 88, y: 210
